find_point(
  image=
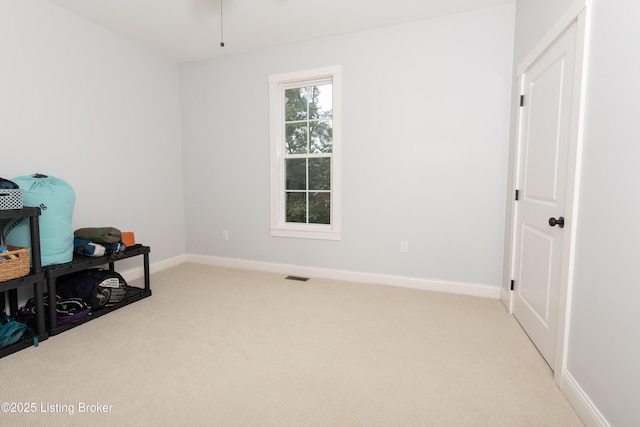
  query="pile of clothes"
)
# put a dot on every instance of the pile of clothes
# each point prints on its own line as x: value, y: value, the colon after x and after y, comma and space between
x: 98, y: 241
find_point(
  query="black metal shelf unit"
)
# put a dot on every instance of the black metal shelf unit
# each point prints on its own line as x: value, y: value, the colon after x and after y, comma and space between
x: 81, y: 262
x: 35, y: 278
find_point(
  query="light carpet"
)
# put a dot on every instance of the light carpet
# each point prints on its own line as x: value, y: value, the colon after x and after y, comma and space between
x: 223, y: 347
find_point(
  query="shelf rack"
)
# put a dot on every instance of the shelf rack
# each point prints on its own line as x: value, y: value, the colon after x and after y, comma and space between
x: 82, y: 262
x: 35, y: 278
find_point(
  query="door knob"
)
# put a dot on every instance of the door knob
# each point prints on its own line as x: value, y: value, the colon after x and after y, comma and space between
x: 559, y: 222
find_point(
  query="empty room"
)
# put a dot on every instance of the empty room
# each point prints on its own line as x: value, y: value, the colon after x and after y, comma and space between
x: 349, y: 212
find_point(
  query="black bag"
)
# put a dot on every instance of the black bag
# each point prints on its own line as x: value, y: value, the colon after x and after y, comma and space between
x: 98, y: 288
x: 68, y: 310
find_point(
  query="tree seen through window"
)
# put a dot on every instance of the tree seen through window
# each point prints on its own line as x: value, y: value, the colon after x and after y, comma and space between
x: 308, y: 151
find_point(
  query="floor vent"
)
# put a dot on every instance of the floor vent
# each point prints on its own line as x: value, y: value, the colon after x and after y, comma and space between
x: 299, y: 279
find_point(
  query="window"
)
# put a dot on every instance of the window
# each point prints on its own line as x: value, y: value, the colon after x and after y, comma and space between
x: 305, y: 150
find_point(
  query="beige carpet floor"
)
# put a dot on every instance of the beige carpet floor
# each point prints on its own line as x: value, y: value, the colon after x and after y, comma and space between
x: 224, y: 347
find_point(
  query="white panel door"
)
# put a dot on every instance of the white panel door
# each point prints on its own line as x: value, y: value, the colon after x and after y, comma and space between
x: 544, y: 135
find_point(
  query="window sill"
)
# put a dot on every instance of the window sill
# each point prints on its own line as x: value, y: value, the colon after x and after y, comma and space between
x: 306, y: 234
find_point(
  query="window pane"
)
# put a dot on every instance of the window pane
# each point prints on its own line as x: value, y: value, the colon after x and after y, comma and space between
x: 296, y: 208
x: 321, y: 135
x: 296, y: 138
x: 296, y: 174
x: 320, y: 208
x: 320, y: 173
x: 295, y: 105
x: 320, y: 100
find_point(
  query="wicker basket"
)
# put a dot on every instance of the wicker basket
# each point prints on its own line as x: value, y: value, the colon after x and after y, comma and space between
x: 14, y: 263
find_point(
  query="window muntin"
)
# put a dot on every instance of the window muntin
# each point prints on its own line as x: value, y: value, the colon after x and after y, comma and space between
x: 308, y: 147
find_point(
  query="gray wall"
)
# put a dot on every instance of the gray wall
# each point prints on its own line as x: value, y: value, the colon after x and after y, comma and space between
x: 425, y: 142
x: 533, y: 19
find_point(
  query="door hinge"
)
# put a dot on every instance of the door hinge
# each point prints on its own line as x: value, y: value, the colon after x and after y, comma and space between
x: 517, y: 194
x: 522, y: 100
x: 513, y: 285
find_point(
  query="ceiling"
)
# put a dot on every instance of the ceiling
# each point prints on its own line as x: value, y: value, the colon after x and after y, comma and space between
x: 190, y: 30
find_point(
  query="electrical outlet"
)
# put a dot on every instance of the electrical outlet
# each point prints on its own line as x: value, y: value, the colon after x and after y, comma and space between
x: 404, y: 247
x: 225, y: 235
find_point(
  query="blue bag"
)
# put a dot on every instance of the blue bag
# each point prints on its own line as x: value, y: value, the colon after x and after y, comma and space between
x: 55, y: 198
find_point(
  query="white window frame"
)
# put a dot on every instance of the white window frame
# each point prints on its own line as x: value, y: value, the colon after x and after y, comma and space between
x: 277, y: 85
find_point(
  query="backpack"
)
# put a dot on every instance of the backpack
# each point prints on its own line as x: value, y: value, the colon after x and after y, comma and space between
x: 98, y: 288
x: 69, y: 310
x: 11, y: 331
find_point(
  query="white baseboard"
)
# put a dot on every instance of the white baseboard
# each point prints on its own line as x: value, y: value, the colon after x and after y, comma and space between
x: 138, y: 272
x: 588, y: 412
x: 480, y: 290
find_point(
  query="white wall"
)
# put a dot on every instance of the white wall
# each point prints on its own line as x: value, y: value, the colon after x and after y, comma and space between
x: 604, y: 346
x: 426, y: 113
x: 604, y: 350
x: 82, y: 104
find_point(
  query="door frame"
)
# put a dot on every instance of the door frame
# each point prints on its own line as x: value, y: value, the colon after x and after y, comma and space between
x: 577, y: 13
